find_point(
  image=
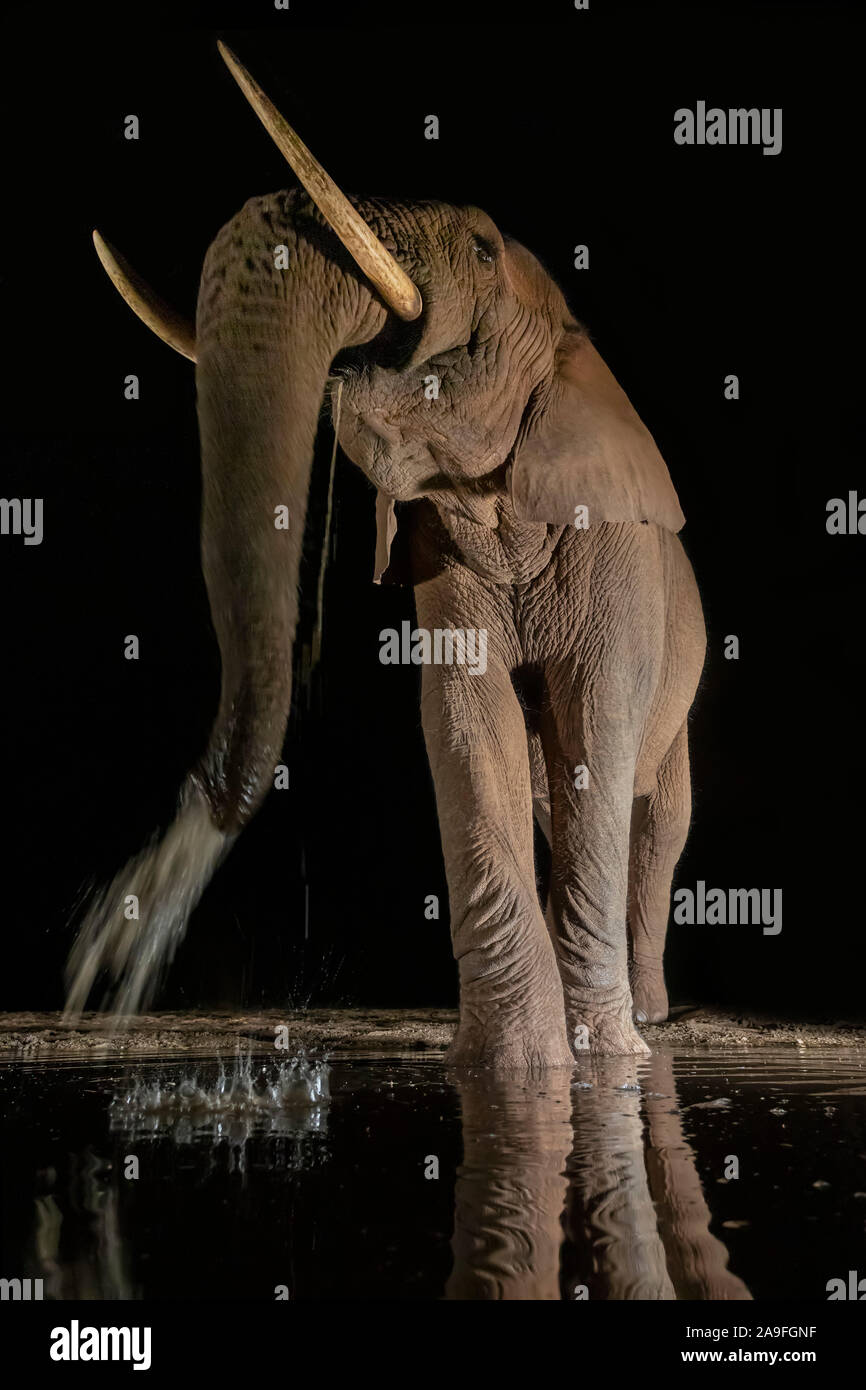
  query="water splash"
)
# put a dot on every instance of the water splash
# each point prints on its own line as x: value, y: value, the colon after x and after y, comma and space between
x: 287, y: 1099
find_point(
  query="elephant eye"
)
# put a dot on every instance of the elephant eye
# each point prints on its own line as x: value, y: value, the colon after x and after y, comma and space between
x: 483, y: 250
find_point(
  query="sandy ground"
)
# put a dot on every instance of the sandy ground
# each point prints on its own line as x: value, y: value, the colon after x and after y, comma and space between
x: 369, y: 1031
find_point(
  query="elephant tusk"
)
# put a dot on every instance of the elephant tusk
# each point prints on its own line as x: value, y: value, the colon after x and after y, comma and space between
x: 164, y: 321
x: 360, y: 241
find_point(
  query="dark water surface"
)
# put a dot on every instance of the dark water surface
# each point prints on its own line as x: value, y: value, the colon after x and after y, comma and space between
x: 614, y: 1182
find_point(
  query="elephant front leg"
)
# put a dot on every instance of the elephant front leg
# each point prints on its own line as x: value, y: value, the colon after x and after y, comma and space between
x: 591, y: 775
x: 511, y: 1002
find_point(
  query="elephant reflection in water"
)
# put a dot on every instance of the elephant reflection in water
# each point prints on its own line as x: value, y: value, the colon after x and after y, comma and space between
x: 510, y: 1186
x: 539, y: 1155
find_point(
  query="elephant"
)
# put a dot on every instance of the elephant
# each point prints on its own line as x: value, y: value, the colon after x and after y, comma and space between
x: 526, y: 502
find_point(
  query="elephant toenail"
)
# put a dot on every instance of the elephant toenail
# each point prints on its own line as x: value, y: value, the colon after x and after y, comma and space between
x: 640, y: 1016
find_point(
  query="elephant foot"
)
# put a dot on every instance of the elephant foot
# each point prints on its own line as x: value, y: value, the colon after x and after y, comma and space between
x: 649, y: 994
x: 513, y: 1051
x: 606, y: 1032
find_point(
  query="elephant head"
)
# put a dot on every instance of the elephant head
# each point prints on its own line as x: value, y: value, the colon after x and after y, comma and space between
x: 464, y: 375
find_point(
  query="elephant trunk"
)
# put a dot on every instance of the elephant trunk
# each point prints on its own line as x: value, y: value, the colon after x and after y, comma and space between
x: 265, y: 338
x: 265, y: 344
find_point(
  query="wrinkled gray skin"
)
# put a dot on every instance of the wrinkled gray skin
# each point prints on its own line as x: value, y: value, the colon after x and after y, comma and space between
x: 603, y: 625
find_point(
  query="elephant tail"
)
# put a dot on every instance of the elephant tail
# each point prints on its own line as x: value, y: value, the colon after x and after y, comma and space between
x: 134, y: 925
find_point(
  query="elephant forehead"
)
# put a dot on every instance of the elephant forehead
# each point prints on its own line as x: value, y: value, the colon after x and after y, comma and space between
x: 410, y: 229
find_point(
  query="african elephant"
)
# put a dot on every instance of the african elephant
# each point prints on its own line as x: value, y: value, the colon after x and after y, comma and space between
x: 536, y: 513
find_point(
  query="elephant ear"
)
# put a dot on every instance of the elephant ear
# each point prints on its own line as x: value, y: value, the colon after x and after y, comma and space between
x: 588, y: 447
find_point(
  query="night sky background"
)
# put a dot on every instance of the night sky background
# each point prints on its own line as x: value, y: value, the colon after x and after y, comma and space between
x: 703, y: 262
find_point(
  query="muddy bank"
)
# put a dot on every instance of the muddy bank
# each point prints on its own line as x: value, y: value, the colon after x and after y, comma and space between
x: 371, y: 1032
x: 723, y: 1028
x: 354, y: 1031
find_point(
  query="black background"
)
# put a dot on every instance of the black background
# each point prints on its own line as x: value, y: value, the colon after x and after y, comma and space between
x: 703, y: 262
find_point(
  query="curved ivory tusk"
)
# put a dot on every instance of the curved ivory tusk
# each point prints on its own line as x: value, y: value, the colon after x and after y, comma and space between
x: 164, y: 321
x: 378, y: 265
